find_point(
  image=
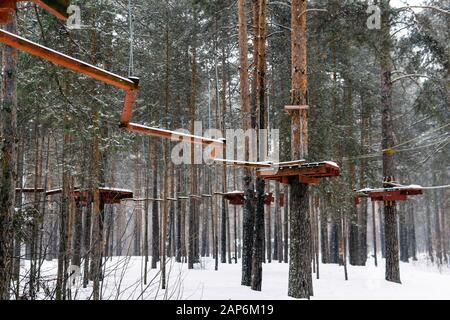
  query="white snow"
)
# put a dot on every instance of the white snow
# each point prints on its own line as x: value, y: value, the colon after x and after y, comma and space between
x: 331, y: 163
x: 124, y: 281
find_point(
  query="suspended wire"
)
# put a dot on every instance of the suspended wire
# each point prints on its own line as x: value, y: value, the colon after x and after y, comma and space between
x: 131, y: 60
x: 436, y: 187
x: 401, y: 187
x: 421, y: 136
x: 380, y: 154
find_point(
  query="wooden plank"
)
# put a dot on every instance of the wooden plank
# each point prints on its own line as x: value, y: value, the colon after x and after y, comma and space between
x: 309, y: 180
x: 29, y: 190
x: 66, y: 61
x: 290, y: 109
x: 172, y: 135
x: 245, y: 164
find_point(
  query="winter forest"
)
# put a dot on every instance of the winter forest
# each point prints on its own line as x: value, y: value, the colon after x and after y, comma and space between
x: 224, y: 149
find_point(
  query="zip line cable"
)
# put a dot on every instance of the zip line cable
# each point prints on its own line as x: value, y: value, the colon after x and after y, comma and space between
x: 131, y: 60
x: 421, y: 136
x: 401, y: 187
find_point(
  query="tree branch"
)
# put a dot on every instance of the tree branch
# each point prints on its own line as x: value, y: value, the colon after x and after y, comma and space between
x: 425, y: 7
x: 312, y: 10
x: 409, y: 76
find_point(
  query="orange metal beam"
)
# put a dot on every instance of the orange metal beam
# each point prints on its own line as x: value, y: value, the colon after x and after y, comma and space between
x: 60, y: 15
x: 172, y: 135
x: 131, y: 85
x: 66, y: 61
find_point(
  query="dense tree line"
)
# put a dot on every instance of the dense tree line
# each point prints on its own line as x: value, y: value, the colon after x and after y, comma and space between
x: 378, y: 106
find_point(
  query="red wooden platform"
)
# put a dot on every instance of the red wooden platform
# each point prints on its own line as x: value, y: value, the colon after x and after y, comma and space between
x: 308, y: 173
x: 107, y: 195
x: 390, y: 194
x: 237, y: 198
x: 29, y: 190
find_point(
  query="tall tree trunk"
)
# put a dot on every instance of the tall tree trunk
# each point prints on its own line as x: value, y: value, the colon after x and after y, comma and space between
x: 87, y: 239
x: 155, y: 205
x: 147, y: 207
x: 138, y: 210
x: 286, y: 224
x: 193, y: 226
x: 412, y: 250
x: 248, y: 216
x: 429, y: 239
x: 300, y: 275
x: 390, y: 209
x: 437, y: 221
x: 403, y: 234
x: 258, y: 237
x: 179, y: 233
x: 8, y: 127
x: 324, y: 243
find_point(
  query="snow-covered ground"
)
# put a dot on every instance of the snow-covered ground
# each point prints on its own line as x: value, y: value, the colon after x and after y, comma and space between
x: 124, y: 281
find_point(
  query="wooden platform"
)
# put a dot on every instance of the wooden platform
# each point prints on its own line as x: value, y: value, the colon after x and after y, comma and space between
x: 390, y: 194
x: 236, y: 198
x: 167, y: 134
x: 107, y: 195
x: 29, y: 190
x: 308, y: 173
x: 58, y: 8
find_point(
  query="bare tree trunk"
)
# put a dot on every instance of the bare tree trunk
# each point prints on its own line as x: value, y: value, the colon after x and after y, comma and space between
x: 300, y: 275
x: 192, y: 235
x: 403, y: 234
x: 87, y: 240
x: 390, y: 210
x: 248, y: 216
x: 155, y: 205
x: 437, y: 222
x: 286, y: 224
x: 8, y: 127
x: 374, y: 234
x: 324, y: 243
x: 412, y: 250
x: 179, y: 233
x: 138, y: 209
x: 147, y: 207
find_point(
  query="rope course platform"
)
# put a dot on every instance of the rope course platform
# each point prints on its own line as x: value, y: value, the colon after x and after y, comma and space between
x: 396, y: 193
x: 58, y: 8
x: 308, y: 173
x: 29, y: 190
x: 145, y: 199
x: 236, y: 198
x: 107, y: 195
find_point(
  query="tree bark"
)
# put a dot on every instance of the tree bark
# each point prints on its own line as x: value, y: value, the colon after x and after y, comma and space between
x: 155, y: 205
x: 390, y: 209
x: 300, y: 274
x: 8, y: 127
x: 248, y: 216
